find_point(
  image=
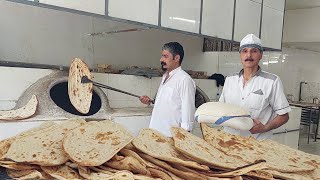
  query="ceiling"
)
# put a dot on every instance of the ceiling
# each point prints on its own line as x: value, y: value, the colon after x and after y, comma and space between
x: 301, y: 4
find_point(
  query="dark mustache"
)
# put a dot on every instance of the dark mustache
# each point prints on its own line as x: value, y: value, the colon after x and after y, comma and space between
x: 163, y: 63
x: 248, y: 59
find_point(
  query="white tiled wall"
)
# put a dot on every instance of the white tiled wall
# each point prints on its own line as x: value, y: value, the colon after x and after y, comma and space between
x: 291, y: 65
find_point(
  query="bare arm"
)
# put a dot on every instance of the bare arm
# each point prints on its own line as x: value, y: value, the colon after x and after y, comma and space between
x: 278, y: 121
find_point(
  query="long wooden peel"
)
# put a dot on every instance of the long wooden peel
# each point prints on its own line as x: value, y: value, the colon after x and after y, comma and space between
x: 85, y: 79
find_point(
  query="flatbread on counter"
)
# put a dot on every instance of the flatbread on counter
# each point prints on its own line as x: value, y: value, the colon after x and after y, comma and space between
x: 155, y: 144
x: 22, y: 113
x: 201, y: 151
x: 95, y: 142
x: 80, y: 94
x: 61, y: 172
x: 44, y: 147
x: 278, y: 157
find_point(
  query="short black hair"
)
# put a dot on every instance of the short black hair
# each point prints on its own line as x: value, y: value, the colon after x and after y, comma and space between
x: 174, y: 48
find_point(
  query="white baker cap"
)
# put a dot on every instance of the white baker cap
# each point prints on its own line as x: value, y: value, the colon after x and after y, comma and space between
x: 251, y: 41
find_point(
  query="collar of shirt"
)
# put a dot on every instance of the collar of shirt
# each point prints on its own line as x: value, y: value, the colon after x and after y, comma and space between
x: 171, y: 73
x: 257, y: 73
x: 241, y: 79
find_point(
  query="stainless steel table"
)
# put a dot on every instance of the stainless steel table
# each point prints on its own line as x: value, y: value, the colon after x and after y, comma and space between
x: 314, y: 109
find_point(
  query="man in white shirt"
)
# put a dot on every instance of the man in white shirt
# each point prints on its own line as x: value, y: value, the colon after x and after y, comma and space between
x: 258, y: 91
x: 175, y: 102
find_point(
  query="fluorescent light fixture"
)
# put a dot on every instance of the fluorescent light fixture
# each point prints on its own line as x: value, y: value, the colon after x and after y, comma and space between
x: 265, y: 63
x: 273, y: 62
x: 183, y: 19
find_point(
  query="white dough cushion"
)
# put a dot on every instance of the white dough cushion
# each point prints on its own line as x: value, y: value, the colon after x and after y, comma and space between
x: 224, y: 114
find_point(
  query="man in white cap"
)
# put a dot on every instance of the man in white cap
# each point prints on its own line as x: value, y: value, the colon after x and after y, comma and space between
x: 258, y: 91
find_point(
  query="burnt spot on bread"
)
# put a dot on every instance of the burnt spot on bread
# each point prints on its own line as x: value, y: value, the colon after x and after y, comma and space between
x: 82, y: 130
x: 161, y: 140
x: 180, y: 136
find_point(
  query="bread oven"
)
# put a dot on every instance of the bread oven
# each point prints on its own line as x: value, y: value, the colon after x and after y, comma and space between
x: 54, y: 103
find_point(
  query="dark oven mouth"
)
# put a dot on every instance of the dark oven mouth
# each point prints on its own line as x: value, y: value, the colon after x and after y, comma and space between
x: 59, y: 95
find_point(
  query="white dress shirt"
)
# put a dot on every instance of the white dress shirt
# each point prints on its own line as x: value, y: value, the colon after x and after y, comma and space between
x: 262, y: 96
x: 175, y: 103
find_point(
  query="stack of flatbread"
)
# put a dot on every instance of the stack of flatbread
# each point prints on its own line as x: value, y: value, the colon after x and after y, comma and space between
x: 76, y: 149
x: 282, y: 161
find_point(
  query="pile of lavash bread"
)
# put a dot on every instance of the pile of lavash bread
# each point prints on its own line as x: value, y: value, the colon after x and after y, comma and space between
x: 76, y: 149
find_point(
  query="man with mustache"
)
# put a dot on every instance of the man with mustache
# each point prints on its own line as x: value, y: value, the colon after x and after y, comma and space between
x: 258, y: 91
x: 175, y: 102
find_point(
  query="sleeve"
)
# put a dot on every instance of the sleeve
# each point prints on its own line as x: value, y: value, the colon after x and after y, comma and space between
x: 222, y: 95
x: 188, y: 92
x: 278, y: 100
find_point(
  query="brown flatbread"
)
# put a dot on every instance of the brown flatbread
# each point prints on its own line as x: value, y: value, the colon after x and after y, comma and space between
x: 128, y: 163
x: 4, y: 146
x: 278, y: 157
x: 22, y: 113
x: 44, y: 147
x: 157, y: 145
x: 96, y: 142
x: 61, y: 172
x: 169, y: 168
x: 80, y: 94
x: 201, y: 151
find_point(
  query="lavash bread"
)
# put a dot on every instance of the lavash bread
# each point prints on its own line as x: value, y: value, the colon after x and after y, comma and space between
x: 44, y: 147
x: 96, y: 142
x: 80, y: 94
x: 6, y: 143
x: 4, y: 147
x: 169, y: 168
x: 17, y: 166
x: 278, y: 157
x: 28, y: 174
x: 62, y: 172
x: 155, y: 144
x: 128, y: 152
x: 233, y: 145
x: 211, y: 112
x: 201, y: 151
x: 128, y: 163
x: 22, y: 113
x: 88, y: 174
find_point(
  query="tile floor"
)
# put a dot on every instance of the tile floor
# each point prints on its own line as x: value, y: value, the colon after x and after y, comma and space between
x: 312, y: 148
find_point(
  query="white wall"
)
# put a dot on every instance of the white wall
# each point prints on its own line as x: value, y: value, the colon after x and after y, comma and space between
x: 302, y: 25
x: 37, y: 35
x: 45, y: 36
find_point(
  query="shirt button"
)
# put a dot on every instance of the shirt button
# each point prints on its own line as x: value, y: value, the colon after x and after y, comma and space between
x: 242, y: 98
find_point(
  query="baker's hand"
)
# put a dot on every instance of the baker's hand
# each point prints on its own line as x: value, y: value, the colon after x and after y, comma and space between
x: 145, y: 100
x: 258, y: 127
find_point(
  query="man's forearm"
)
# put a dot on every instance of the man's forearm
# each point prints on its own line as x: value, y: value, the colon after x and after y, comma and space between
x: 277, y: 122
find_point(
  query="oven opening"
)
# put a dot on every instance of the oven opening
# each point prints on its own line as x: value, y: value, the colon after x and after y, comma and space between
x: 59, y: 95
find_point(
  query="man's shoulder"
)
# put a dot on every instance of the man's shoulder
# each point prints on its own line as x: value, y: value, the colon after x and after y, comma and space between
x: 233, y: 76
x: 268, y: 75
x: 184, y: 75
